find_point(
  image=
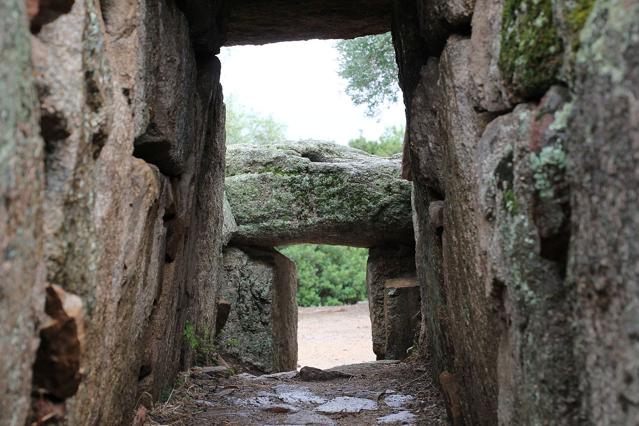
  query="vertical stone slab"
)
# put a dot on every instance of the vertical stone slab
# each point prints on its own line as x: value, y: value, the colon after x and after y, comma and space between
x: 445, y: 132
x: 490, y: 93
x: 384, y: 265
x: 524, y: 234
x: 284, y: 314
x: 603, y: 148
x: 434, y: 338
x: 193, y: 257
x: 402, y: 316
x: 21, y: 192
x: 166, y: 124
x: 466, y: 315
x: 261, y: 330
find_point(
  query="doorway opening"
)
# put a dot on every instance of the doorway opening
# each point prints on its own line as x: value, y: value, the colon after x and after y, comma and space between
x: 313, y: 157
x: 334, y: 326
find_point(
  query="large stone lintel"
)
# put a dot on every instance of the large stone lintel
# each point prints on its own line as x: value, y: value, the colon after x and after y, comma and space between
x: 261, y: 21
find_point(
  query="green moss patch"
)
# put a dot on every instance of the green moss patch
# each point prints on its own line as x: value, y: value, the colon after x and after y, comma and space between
x: 576, y: 18
x: 531, y: 48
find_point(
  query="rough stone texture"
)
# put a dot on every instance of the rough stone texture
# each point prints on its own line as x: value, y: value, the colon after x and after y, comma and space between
x: 434, y: 336
x: 393, y: 330
x: 531, y: 304
x: 191, y: 276
x: 531, y: 49
x: 269, y: 21
x: 463, y: 267
x: 207, y: 23
x: 402, y: 313
x: 570, y: 18
x: 42, y: 12
x: 449, y: 264
x: 230, y: 226
x: 455, y: 12
x: 424, y: 131
x: 603, y: 147
x: 546, y: 202
x: 526, y: 248
x: 316, y: 192
x: 522, y: 48
x: 141, y: 250
x: 56, y: 369
x: 75, y: 122
x: 433, y: 26
x: 21, y: 197
x: 261, y: 330
x: 410, y: 48
x: 490, y: 93
x: 165, y: 124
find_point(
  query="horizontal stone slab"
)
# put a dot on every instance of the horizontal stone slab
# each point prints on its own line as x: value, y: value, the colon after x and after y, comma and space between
x: 265, y: 21
x: 316, y: 192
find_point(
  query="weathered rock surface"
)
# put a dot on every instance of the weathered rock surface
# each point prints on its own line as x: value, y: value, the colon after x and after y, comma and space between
x: 393, y: 300
x: 41, y: 12
x: 602, y: 149
x: 165, y: 124
x: 264, y: 21
x: 463, y: 266
x: 402, y: 313
x: 21, y: 197
x: 425, y: 134
x: 457, y: 12
x: 120, y: 235
x: 261, y: 330
x: 525, y: 242
x: 490, y: 93
x: 316, y: 192
x: 541, y: 196
x: 443, y: 142
x: 56, y: 370
x: 229, y: 226
x: 533, y: 305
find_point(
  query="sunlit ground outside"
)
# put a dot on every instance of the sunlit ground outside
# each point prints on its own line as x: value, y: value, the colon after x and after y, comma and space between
x: 334, y: 326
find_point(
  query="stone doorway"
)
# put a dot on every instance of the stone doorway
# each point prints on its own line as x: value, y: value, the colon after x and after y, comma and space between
x: 312, y: 192
x: 334, y: 324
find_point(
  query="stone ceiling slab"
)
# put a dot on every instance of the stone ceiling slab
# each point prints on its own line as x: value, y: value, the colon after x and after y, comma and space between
x: 270, y: 21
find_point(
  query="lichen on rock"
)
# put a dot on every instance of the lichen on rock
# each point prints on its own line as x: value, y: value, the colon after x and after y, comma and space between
x: 531, y: 49
x: 316, y: 192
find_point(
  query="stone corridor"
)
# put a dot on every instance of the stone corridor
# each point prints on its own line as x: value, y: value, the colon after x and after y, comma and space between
x: 519, y: 198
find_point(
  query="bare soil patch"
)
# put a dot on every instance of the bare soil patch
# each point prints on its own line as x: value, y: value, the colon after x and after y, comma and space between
x: 331, y: 336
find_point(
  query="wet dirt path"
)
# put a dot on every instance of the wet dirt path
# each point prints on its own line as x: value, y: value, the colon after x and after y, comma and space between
x: 377, y: 393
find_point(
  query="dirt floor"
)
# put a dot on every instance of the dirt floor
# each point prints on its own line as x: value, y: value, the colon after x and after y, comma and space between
x: 331, y: 336
x: 374, y: 392
x: 380, y: 392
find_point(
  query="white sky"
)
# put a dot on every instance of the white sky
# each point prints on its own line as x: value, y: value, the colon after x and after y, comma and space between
x: 297, y: 84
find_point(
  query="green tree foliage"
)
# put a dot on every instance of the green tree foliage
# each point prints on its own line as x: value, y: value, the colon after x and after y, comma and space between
x: 369, y: 68
x: 247, y: 127
x: 329, y: 275
x: 389, y: 143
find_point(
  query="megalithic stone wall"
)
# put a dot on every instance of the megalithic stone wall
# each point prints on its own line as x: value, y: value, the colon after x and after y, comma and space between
x: 520, y: 145
x: 260, y: 286
x: 393, y: 300
x: 22, y: 279
x: 112, y: 161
